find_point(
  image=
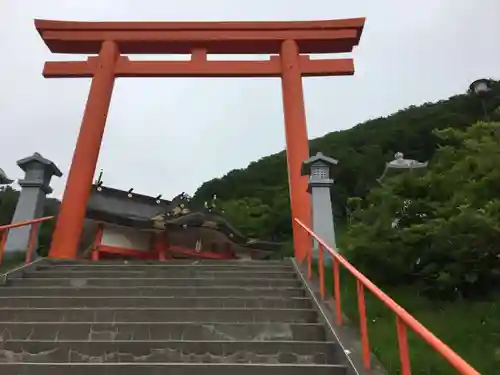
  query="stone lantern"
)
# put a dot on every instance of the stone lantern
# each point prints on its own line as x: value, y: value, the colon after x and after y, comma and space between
x: 4, y: 180
x: 34, y: 188
x: 400, y: 164
x: 482, y: 89
x: 320, y: 169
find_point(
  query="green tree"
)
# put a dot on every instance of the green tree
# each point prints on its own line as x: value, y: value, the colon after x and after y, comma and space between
x: 249, y: 215
x: 8, y: 201
x: 439, y: 230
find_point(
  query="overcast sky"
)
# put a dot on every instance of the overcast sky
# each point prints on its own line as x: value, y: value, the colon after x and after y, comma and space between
x: 170, y: 135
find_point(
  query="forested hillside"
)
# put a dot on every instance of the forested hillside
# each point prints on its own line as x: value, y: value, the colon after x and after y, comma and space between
x: 362, y: 152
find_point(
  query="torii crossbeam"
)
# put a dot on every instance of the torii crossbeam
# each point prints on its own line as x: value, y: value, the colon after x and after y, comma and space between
x: 288, y: 43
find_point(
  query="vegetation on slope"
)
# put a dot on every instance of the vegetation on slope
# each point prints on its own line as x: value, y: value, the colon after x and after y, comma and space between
x: 471, y: 328
x: 439, y: 230
x: 432, y: 241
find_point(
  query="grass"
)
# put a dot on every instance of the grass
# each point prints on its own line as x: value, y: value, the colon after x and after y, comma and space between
x: 472, y: 329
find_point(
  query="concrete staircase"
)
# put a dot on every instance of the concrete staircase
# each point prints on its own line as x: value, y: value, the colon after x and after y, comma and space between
x: 180, y: 317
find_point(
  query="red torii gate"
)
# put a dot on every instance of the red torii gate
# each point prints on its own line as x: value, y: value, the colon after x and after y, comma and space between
x: 284, y: 41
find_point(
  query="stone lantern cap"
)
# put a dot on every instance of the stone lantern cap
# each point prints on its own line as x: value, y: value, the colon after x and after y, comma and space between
x: 318, y: 160
x: 4, y: 180
x: 37, y: 158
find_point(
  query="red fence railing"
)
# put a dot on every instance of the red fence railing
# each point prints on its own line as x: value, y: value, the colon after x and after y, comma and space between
x: 4, y: 230
x: 403, y: 319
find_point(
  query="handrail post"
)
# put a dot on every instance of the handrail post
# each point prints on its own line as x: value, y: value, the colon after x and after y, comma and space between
x: 321, y: 270
x: 95, y: 254
x: 3, y: 239
x: 32, y: 242
x: 363, y: 324
x: 309, y: 258
x: 403, y: 347
x: 160, y: 246
x: 97, y: 242
x: 336, y: 289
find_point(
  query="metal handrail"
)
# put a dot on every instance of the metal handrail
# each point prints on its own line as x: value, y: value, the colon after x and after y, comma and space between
x: 403, y: 318
x: 4, y: 230
x: 24, y: 223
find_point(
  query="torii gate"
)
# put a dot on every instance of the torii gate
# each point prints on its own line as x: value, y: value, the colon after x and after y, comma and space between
x: 110, y: 41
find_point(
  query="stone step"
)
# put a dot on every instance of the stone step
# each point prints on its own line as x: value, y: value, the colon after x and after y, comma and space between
x: 152, y: 291
x: 167, y: 368
x: 167, y: 266
x: 64, y: 331
x: 156, y: 315
x: 165, y: 302
x: 161, y: 273
x: 139, y: 282
x: 183, y: 262
x: 170, y: 352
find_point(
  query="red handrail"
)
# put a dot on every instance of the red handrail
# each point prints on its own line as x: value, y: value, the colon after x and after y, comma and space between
x: 4, y: 230
x: 24, y: 223
x: 403, y: 318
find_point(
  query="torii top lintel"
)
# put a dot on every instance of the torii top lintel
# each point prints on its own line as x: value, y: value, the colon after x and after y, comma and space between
x: 333, y: 36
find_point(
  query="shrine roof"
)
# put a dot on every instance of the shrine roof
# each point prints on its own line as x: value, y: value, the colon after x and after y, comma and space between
x: 117, y: 193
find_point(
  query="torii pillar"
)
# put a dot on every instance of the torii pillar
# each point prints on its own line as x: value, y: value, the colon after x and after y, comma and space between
x: 288, y: 43
x: 297, y: 143
x: 76, y: 195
